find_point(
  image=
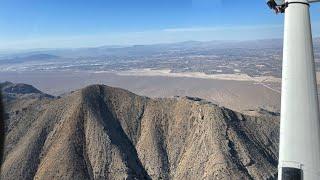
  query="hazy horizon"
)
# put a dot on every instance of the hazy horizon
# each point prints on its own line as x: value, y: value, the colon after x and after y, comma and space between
x: 14, y: 50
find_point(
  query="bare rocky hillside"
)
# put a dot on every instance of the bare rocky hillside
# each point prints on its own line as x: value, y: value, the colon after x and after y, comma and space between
x: 101, y: 132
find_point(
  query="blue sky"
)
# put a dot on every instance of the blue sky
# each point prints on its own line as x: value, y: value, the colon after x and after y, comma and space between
x: 81, y: 23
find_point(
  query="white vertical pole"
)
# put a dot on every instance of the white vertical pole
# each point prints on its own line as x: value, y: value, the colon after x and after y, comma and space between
x: 299, y: 127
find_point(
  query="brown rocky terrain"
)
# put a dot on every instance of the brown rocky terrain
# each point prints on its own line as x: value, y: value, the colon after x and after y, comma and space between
x: 101, y: 132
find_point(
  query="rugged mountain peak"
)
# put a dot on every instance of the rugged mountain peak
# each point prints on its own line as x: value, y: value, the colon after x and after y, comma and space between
x: 20, y: 88
x: 12, y: 91
x: 101, y: 132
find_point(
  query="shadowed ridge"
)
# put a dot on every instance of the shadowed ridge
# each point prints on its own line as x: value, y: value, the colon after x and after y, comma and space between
x: 243, y: 130
x: 125, y: 106
x: 98, y: 100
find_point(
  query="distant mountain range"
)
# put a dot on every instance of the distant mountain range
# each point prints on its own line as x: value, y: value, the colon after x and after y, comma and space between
x: 141, y: 50
x: 100, y: 132
x: 28, y: 58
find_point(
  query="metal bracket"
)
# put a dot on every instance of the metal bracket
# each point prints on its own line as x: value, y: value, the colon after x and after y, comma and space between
x: 285, y: 5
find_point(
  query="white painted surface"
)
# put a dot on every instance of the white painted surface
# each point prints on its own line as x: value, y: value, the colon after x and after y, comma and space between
x: 299, y: 129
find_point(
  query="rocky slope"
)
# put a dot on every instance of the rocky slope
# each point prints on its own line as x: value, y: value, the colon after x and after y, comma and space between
x: 101, y: 132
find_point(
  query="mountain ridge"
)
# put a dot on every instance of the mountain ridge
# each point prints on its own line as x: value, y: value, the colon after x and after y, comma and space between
x: 101, y: 132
